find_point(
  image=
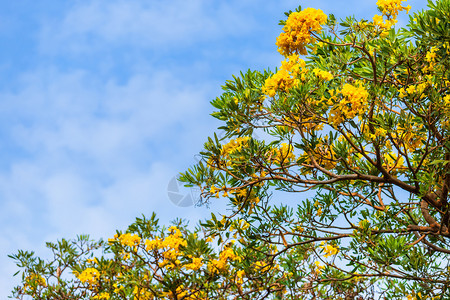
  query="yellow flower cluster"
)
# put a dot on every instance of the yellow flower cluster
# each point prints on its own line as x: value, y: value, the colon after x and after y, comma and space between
x: 103, y: 295
x: 38, y: 279
x: 196, y: 264
x: 234, y: 145
x: 172, y: 241
x: 323, y: 154
x: 383, y: 24
x: 431, y: 55
x: 228, y: 149
x: 293, y: 64
x: 241, y: 224
x: 221, y: 264
x: 416, y: 89
x: 240, y: 277
x: 117, y: 287
x: 129, y: 239
x: 34, y: 279
x: 391, y: 8
x: 446, y: 100
x: 281, y: 80
x: 364, y: 224
x: 286, y: 77
x: 446, y: 111
x: 251, y: 197
x: 182, y: 293
x: 353, y: 103
x: 284, y: 154
x: 90, y: 275
x: 319, y: 267
x: 304, y: 120
x: 323, y: 75
x: 329, y: 250
x: 260, y: 266
x: 141, y: 293
x: 392, y: 162
x: 297, y: 31
x: 354, y: 94
x: 319, y: 211
x: 170, y: 247
x: 410, y: 136
x: 413, y: 90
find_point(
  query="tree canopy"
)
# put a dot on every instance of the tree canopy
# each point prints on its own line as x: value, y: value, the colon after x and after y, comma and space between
x: 355, y: 123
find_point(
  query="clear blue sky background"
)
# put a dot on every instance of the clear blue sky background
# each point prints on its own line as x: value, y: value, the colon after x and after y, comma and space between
x: 103, y: 102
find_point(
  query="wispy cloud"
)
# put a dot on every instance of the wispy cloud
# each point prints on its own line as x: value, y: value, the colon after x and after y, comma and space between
x: 151, y: 24
x: 89, y: 153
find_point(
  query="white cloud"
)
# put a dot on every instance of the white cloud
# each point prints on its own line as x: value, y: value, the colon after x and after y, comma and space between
x: 57, y: 112
x: 89, y: 158
x: 155, y: 24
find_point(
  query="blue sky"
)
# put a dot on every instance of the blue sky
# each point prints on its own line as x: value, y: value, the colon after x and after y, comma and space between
x: 103, y: 102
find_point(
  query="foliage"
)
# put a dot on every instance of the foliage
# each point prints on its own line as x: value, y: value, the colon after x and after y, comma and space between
x: 357, y: 117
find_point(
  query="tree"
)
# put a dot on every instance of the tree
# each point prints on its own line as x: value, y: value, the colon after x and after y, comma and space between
x: 358, y: 114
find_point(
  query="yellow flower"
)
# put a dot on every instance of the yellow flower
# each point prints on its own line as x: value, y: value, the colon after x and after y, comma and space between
x: 447, y: 100
x: 323, y: 75
x: 353, y: 103
x: 221, y: 264
x: 34, y: 278
x: 411, y: 89
x: 299, y: 229
x: 297, y: 31
x: 392, y: 7
x: 378, y: 21
x: 286, y: 77
x: 319, y: 267
x: 319, y: 211
x: 401, y: 93
x: 363, y: 223
x: 283, y: 154
x: 431, y: 55
x: 152, y: 244
x: 129, y: 239
x: 90, y: 275
x: 196, y: 264
x: 240, y: 276
x: 330, y: 250
x: 234, y: 145
x: 102, y: 295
